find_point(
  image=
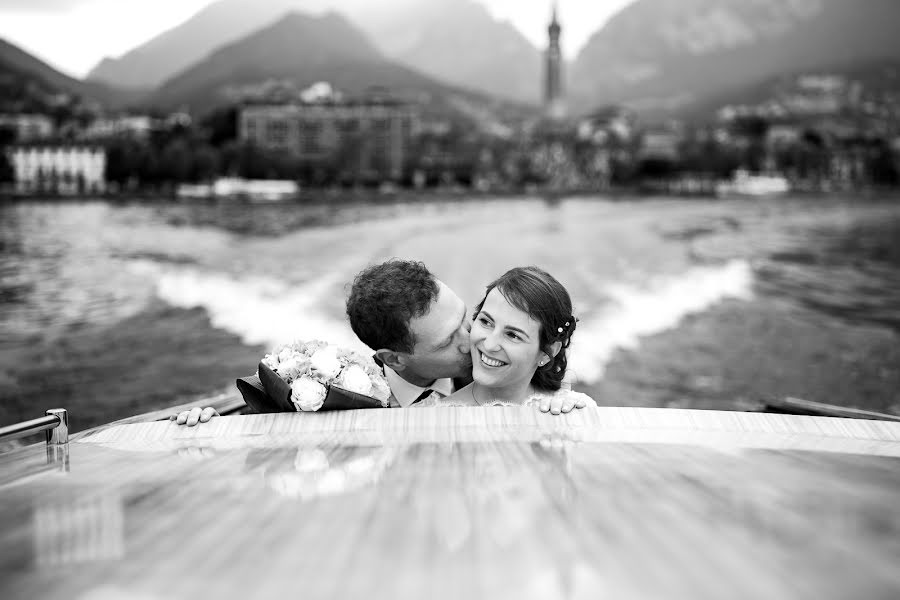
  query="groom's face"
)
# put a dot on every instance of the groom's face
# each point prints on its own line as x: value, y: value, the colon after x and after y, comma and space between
x: 442, y: 340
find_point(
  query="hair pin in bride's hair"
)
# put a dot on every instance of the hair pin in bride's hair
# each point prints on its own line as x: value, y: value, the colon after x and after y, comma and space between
x: 568, y: 327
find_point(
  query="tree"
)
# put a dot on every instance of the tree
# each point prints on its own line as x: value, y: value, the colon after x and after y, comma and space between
x: 124, y: 160
x: 656, y: 168
x: 881, y: 164
x: 7, y: 175
x: 176, y: 162
x: 8, y: 135
x: 221, y: 126
x: 205, y: 163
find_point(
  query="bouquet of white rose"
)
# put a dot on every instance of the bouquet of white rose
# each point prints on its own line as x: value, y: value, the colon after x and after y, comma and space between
x: 313, y: 376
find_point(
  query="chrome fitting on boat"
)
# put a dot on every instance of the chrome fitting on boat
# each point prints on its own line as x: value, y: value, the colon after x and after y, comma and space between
x: 59, y: 434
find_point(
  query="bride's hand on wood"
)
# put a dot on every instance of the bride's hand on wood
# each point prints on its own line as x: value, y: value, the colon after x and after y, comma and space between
x: 561, y: 403
x: 194, y: 416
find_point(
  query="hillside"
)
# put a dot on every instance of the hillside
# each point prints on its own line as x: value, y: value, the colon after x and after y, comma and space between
x: 27, y: 83
x: 455, y: 41
x: 667, y: 54
x: 300, y: 50
x: 172, y: 51
x: 875, y: 84
x: 459, y: 42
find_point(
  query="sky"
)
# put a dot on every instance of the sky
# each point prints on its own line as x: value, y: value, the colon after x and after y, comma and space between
x: 74, y: 35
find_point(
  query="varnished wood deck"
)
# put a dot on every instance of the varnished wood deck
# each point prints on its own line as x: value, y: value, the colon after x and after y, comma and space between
x: 459, y: 503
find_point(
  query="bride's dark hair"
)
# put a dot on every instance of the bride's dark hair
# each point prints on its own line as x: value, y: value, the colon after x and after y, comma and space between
x: 538, y: 294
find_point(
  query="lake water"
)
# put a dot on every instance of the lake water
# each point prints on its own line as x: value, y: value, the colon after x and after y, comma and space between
x: 113, y: 309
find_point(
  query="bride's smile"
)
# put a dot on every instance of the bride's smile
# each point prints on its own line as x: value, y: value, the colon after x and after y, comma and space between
x: 491, y: 362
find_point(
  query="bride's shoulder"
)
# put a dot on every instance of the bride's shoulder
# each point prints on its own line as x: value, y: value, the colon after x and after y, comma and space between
x: 564, y: 393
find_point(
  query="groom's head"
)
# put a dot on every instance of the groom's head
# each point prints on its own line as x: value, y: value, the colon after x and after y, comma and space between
x: 415, y: 323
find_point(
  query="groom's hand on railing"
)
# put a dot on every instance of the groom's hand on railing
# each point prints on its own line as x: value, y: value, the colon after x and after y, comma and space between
x: 194, y: 416
x: 561, y: 403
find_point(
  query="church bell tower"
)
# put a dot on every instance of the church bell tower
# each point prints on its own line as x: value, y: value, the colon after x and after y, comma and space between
x: 553, y: 91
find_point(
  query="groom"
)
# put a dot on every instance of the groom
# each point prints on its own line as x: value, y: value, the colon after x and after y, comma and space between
x: 419, y: 329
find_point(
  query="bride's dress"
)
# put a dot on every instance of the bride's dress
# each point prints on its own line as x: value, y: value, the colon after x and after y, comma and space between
x: 464, y: 397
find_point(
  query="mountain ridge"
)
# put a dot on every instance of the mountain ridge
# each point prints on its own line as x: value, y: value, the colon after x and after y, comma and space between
x: 298, y: 51
x: 694, y: 49
x: 455, y: 41
x: 22, y: 66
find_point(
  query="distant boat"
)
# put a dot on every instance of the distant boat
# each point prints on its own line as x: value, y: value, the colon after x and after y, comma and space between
x: 746, y: 184
x: 254, y: 190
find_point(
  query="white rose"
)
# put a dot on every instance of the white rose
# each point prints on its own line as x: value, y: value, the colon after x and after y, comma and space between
x: 293, y: 368
x: 285, y: 353
x: 354, y: 379
x: 307, y: 395
x: 325, y: 362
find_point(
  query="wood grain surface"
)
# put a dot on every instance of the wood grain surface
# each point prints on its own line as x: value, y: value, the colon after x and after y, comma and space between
x: 459, y: 503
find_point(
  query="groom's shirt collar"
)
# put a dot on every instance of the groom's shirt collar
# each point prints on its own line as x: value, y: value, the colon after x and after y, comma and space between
x: 406, y: 393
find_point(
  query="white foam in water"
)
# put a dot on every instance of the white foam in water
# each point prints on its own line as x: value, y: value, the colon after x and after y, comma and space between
x: 633, y: 313
x: 260, y: 310
x: 270, y: 312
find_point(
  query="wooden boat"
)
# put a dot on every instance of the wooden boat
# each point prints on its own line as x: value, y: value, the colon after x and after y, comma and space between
x: 457, y: 503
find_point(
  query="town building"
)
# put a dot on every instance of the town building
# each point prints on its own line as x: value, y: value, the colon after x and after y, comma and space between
x: 58, y: 169
x: 364, y: 138
x: 28, y: 127
x: 135, y: 126
x: 659, y: 145
x: 607, y: 140
x: 609, y: 125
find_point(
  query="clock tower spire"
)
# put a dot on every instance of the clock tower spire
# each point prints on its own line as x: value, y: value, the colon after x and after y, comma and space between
x: 553, y: 92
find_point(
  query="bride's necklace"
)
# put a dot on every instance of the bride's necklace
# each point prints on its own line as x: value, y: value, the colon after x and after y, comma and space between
x: 492, y: 401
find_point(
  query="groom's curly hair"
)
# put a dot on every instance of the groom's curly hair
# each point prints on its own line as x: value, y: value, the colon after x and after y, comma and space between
x: 385, y: 297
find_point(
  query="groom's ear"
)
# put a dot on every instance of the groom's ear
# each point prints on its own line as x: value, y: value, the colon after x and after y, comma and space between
x: 391, y: 359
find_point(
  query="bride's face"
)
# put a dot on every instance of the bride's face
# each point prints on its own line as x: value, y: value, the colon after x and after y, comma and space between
x: 505, y: 343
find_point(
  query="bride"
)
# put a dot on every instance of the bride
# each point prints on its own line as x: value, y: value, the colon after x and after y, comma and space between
x: 520, y: 333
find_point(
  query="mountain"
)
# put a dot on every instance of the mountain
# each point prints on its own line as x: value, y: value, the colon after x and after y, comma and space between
x: 459, y: 42
x: 662, y: 55
x: 27, y: 83
x: 863, y: 91
x: 219, y: 23
x: 456, y: 41
x: 296, y: 52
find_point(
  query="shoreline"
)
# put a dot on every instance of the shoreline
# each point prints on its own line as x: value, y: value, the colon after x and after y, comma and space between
x: 340, y: 196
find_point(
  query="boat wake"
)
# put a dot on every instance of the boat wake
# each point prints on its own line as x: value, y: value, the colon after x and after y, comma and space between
x: 269, y: 312
x: 260, y: 310
x: 629, y: 313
